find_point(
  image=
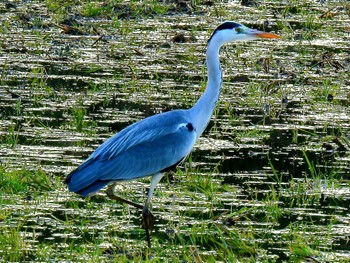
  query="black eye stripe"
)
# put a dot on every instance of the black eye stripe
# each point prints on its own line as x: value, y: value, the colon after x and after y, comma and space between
x: 226, y: 25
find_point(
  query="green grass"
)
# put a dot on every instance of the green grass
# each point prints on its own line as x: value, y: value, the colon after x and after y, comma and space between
x: 215, y: 236
x: 24, y: 181
x: 11, y: 138
x: 123, y: 10
x: 12, y: 245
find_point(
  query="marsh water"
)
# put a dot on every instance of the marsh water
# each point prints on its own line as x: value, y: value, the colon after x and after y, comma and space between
x: 273, y: 164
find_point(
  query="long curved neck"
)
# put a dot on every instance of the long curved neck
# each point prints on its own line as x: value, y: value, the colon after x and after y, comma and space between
x: 203, y: 109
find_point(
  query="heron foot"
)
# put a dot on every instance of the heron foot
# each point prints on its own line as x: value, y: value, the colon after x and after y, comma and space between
x: 148, y: 224
x: 148, y: 220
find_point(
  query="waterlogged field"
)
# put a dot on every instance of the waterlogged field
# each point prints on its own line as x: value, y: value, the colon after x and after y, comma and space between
x: 267, y: 182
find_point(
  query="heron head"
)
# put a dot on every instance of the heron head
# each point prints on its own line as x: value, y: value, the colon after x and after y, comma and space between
x: 231, y: 31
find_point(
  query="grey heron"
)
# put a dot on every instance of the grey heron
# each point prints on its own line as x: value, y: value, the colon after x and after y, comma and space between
x: 152, y: 146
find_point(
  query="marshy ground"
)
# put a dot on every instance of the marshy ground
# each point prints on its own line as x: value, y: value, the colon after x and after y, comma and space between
x: 267, y: 182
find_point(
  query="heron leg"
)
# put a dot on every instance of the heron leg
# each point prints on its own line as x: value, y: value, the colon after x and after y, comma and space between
x: 148, y: 218
x: 111, y: 195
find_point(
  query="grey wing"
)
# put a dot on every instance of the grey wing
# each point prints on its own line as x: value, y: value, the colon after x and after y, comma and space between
x: 150, y: 157
x: 149, y: 151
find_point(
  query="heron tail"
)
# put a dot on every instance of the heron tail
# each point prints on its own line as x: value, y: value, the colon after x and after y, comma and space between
x: 84, y: 181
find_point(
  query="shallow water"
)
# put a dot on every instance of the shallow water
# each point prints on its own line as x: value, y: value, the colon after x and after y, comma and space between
x: 276, y: 151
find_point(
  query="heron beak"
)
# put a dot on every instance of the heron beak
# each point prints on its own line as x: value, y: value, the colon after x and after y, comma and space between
x: 262, y: 34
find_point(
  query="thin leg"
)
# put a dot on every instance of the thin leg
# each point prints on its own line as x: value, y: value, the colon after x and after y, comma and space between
x: 148, y: 218
x: 111, y: 195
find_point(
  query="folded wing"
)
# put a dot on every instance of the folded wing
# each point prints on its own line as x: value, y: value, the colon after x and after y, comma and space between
x: 142, y: 149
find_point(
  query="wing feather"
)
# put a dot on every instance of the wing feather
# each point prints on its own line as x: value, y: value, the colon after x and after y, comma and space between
x: 142, y: 131
x: 142, y: 149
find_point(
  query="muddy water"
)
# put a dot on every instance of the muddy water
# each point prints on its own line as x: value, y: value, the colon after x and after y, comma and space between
x: 282, y: 124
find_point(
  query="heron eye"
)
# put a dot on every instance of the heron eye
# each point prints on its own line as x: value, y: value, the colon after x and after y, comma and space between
x: 238, y: 30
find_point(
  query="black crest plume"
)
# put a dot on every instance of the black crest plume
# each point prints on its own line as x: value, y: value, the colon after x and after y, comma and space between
x: 223, y: 26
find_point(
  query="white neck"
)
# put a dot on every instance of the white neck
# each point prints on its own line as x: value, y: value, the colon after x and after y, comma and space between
x: 201, y: 112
